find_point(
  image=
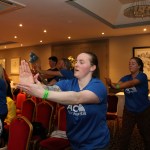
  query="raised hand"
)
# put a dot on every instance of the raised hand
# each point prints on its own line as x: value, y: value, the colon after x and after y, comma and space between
x: 25, y: 75
x: 108, y: 81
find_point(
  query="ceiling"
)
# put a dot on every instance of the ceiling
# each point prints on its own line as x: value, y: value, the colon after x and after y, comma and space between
x: 79, y: 19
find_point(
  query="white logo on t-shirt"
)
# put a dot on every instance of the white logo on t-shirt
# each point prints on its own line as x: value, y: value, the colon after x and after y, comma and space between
x: 76, y: 110
x: 130, y: 90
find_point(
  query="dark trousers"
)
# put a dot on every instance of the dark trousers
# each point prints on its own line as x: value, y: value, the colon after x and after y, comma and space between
x: 2, y: 117
x: 129, y: 121
x: 103, y: 149
x: 2, y: 136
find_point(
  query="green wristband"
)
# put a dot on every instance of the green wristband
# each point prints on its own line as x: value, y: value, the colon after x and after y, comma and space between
x: 45, y: 95
x: 117, y: 86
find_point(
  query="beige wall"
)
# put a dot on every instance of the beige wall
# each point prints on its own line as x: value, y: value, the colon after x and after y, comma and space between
x: 113, y: 54
x: 23, y: 53
x: 120, y: 51
x: 99, y: 47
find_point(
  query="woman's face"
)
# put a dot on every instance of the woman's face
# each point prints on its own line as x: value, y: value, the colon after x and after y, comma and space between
x: 83, y: 66
x: 133, y: 66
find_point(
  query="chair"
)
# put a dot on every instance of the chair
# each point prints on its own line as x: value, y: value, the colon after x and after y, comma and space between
x: 58, y: 139
x: 61, y: 118
x: 112, y: 101
x: 21, y: 97
x: 20, y: 133
x: 55, y: 106
x: 44, y: 115
x: 28, y: 109
x: 36, y: 100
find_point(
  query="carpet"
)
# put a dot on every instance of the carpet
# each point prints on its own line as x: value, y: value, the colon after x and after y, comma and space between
x: 136, y: 142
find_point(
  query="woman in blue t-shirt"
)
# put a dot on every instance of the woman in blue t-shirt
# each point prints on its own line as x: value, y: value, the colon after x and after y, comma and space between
x: 85, y: 99
x: 3, y: 104
x: 137, y: 104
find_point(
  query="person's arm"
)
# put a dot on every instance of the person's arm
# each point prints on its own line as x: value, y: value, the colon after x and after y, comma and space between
x: 52, y: 82
x: 128, y: 84
x: 49, y: 73
x: 122, y: 85
x: 69, y: 97
x: 38, y: 90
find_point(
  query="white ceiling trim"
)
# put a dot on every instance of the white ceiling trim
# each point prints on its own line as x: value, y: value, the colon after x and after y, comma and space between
x: 115, y: 18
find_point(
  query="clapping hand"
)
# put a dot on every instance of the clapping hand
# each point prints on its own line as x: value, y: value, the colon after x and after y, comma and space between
x: 28, y: 83
x: 108, y: 81
x: 25, y: 75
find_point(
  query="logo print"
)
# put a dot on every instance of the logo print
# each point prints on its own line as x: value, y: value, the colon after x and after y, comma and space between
x: 130, y: 90
x: 76, y: 110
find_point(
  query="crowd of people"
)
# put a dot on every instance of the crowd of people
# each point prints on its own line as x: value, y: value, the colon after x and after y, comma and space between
x: 84, y: 96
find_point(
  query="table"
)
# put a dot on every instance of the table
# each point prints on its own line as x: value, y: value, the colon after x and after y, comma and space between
x: 121, y: 101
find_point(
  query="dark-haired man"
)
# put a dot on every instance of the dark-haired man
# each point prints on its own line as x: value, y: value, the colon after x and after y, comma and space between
x: 52, y: 63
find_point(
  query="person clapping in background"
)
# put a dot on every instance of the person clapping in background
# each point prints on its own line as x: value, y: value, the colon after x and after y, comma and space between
x: 3, y: 104
x: 137, y: 104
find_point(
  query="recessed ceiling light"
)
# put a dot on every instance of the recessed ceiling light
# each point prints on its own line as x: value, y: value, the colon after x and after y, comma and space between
x: 21, y: 44
x: 15, y: 37
x: 144, y: 29
x: 45, y: 31
x: 41, y: 41
x: 103, y: 33
x: 69, y: 37
x: 20, y: 25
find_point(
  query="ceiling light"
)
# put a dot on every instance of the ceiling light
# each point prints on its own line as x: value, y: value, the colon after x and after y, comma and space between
x: 144, y: 29
x: 69, y: 37
x: 20, y: 25
x: 41, y: 41
x: 103, y: 33
x: 138, y: 9
x: 45, y: 31
x: 15, y: 37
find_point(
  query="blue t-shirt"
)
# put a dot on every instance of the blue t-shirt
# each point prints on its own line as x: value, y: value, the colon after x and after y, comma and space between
x: 86, y: 123
x: 66, y: 74
x: 3, y: 104
x: 136, y: 98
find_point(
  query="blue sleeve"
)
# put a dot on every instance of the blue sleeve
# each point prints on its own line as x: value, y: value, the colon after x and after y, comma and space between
x: 63, y: 84
x: 99, y: 89
x: 68, y: 74
x: 95, y: 86
x: 125, y: 78
x: 142, y: 77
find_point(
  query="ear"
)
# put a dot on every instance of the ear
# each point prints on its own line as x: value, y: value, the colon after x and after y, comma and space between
x: 92, y: 68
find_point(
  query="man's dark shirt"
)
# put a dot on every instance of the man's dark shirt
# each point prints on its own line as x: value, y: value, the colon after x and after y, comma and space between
x: 50, y: 79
